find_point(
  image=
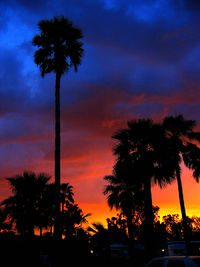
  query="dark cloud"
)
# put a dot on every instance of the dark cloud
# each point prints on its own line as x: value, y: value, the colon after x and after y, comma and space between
x: 144, y: 40
x: 141, y: 59
x: 117, y: 29
x: 13, y: 93
x: 193, y: 5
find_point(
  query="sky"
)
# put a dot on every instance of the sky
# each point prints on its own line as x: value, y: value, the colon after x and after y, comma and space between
x: 141, y: 60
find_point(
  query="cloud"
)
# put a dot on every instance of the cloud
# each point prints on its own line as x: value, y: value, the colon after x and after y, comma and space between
x: 119, y: 29
x: 138, y: 39
x: 192, y: 5
x: 141, y: 59
x: 94, y: 112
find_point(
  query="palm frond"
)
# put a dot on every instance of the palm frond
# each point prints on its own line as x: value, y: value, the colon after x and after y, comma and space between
x: 191, y: 158
x: 59, y: 46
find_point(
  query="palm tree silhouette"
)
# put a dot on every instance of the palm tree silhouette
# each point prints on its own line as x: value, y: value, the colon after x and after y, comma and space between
x: 145, y: 145
x: 72, y: 219
x: 25, y: 204
x: 123, y: 193
x: 66, y: 194
x: 124, y: 196
x: 59, y: 50
x: 184, y: 149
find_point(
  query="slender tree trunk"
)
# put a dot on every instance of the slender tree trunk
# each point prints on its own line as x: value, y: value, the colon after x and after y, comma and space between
x: 130, y: 232
x: 183, y: 212
x: 148, y: 208
x: 40, y: 231
x: 130, y: 226
x: 57, y: 157
x: 51, y: 229
x: 62, y: 209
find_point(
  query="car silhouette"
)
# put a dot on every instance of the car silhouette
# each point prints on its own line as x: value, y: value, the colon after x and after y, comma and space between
x: 175, y: 261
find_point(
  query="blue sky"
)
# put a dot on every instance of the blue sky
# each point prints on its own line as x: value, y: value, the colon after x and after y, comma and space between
x: 141, y: 60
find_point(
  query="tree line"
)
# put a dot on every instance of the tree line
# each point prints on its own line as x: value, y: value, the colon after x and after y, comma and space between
x: 32, y: 207
x: 169, y: 227
x: 147, y: 153
x: 150, y: 153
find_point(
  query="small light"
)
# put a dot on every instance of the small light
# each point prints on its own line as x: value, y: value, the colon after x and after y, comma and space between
x: 163, y: 250
x: 91, y: 251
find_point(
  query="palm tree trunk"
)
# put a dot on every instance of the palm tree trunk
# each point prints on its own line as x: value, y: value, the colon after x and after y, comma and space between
x: 51, y: 228
x: 130, y: 226
x: 148, y: 208
x: 183, y: 212
x: 128, y: 214
x: 40, y: 231
x: 57, y: 157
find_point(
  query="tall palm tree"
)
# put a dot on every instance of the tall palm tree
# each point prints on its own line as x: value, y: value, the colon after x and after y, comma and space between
x: 59, y: 50
x: 145, y: 145
x: 184, y: 141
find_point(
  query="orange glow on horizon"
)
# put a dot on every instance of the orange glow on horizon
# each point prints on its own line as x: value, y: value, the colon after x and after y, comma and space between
x: 99, y: 212
x: 88, y: 183
x: 168, y: 199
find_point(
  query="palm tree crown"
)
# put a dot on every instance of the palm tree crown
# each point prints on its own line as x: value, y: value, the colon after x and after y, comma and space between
x: 145, y: 146
x: 24, y: 207
x: 59, y: 46
x: 184, y: 142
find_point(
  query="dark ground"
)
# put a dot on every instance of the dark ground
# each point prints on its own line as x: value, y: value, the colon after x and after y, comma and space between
x: 51, y: 253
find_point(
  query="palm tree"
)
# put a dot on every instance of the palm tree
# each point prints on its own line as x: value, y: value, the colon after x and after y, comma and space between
x: 123, y: 194
x: 66, y: 194
x: 59, y: 50
x: 24, y: 206
x: 184, y: 142
x: 145, y: 145
x: 72, y: 219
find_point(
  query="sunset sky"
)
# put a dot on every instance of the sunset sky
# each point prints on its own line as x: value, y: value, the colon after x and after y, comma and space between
x: 142, y: 59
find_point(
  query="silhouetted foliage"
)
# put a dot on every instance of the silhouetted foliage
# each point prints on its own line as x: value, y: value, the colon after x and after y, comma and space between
x: 59, y: 49
x: 144, y: 156
x: 103, y: 237
x: 72, y: 218
x: 118, y: 222
x: 123, y: 194
x: 23, y: 208
x: 59, y: 46
x: 173, y: 226
x: 147, y: 153
x: 184, y: 148
x: 5, y: 222
x: 32, y: 206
